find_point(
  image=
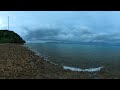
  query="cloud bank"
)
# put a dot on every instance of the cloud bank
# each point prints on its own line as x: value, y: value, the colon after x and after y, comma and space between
x: 82, y: 34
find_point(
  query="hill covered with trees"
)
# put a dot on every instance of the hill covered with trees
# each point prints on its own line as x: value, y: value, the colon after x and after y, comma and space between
x: 7, y: 36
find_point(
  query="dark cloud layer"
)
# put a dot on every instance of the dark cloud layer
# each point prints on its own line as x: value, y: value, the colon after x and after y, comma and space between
x: 41, y: 34
x: 76, y: 34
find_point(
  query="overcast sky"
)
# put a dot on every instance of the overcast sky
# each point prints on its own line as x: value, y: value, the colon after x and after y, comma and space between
x: 80, y: 26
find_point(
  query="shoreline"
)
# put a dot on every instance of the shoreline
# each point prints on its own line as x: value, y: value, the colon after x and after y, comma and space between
x: 73, y: 69
x: 19, y: 62
x: 78, y: 73
x: 66, y: 67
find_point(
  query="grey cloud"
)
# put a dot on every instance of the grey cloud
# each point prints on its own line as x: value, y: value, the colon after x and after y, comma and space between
x: 106, y: 36
x: 80, y: 35
x: 85, y: 31
x: 55, y: 34
x: 41, y: 33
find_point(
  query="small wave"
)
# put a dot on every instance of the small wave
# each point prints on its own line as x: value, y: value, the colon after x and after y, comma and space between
x: 82, y: 70
x: 38, y: 54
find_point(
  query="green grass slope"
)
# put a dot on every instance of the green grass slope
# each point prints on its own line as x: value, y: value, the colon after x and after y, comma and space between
x: 7, y: 36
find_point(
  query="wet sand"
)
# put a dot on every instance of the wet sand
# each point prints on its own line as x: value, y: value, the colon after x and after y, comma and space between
x: 18, y: 62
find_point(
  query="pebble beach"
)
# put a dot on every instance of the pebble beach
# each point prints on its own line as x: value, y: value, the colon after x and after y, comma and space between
x: 19, y: 62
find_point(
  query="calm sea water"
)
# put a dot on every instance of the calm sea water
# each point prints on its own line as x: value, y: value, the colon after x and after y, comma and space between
x: 80, y: 56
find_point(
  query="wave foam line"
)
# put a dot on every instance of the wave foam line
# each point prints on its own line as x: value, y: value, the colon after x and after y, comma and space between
x: 82, y: 70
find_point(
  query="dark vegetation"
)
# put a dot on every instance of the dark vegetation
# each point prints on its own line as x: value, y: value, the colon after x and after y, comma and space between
x: 7, y: 36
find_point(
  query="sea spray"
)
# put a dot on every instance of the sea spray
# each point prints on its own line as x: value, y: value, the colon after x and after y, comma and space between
x: 82, y: 70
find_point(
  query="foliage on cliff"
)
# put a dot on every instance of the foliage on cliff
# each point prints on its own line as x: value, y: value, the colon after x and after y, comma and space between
x: 7, y: 36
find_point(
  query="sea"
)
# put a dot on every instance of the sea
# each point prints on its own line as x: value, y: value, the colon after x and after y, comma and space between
x: 82, y: 58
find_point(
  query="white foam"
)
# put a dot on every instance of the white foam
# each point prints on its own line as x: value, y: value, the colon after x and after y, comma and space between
x: 83, y: 70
